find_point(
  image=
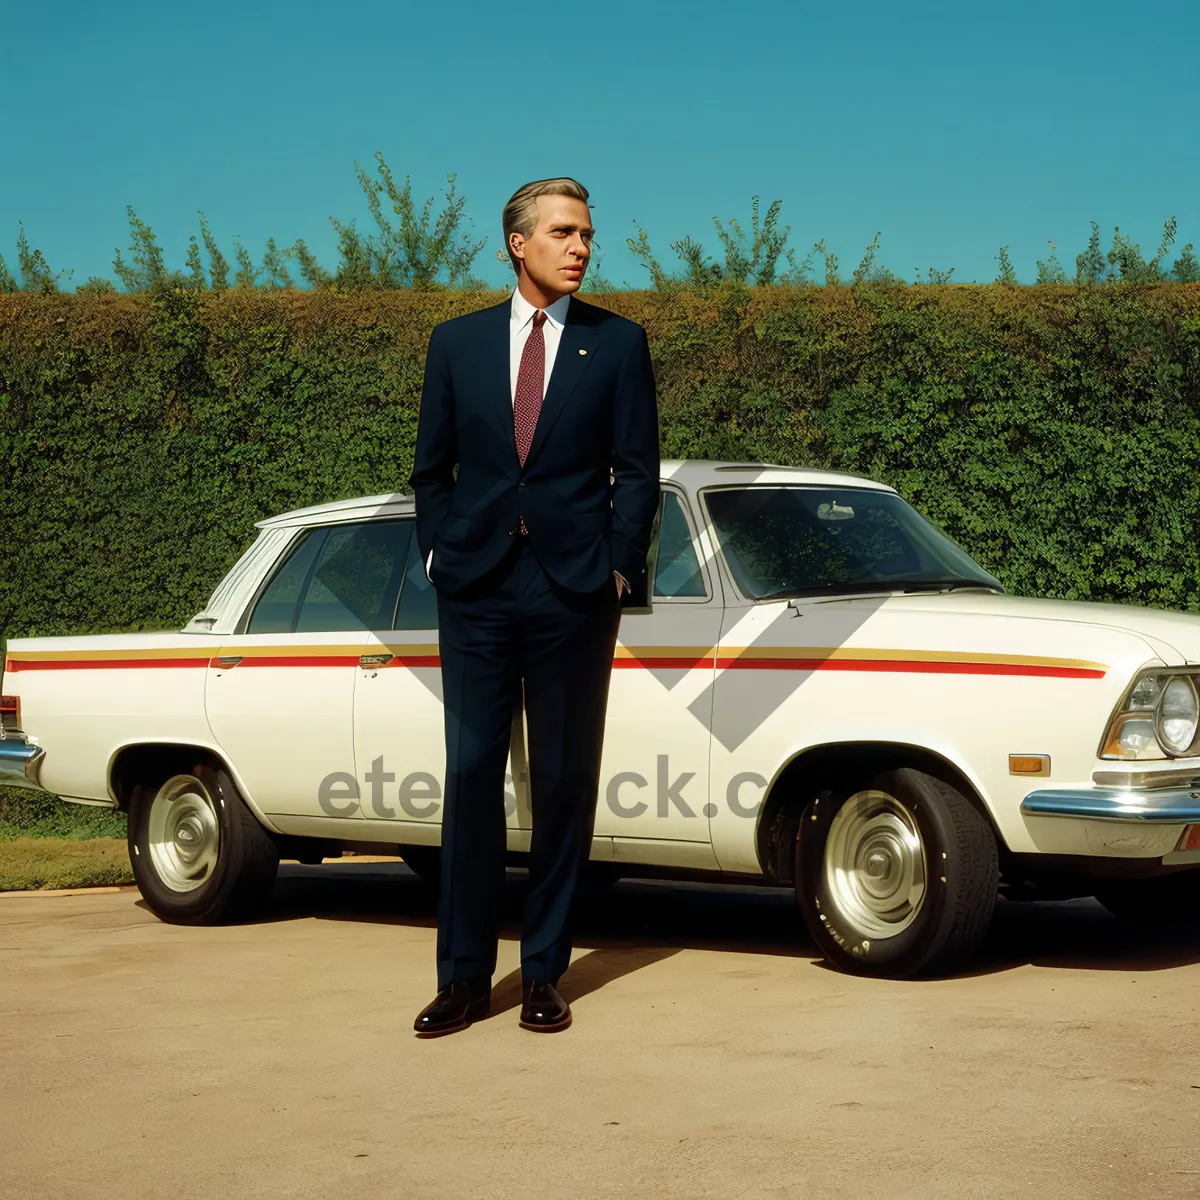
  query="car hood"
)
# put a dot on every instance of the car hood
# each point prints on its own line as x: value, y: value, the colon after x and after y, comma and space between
x: 1174, y: 636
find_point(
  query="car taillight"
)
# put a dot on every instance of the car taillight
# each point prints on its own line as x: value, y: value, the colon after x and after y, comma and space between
x: 10, y: 712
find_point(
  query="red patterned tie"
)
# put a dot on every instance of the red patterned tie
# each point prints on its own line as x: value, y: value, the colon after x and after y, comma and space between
x: 527, y: 401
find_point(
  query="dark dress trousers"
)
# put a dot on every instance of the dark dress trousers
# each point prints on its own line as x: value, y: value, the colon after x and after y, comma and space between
x: 534, y: 615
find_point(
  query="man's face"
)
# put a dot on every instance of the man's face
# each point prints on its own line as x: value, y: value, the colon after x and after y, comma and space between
x: 556, y: 253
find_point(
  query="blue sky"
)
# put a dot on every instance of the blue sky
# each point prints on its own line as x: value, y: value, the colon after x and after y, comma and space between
x: 952, y: 128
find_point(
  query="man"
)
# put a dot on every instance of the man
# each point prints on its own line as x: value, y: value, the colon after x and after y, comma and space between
x: 547, y: 408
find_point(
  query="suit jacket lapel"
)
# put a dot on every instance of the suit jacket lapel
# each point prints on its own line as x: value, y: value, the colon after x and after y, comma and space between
x: 576, y: 349
x: 492, y: 349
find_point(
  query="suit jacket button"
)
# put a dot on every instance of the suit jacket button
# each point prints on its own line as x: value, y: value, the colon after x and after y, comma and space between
x: 521, y: 484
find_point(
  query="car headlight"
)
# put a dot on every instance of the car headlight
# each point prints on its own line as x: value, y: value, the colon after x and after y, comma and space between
x: 1159, y: 717
x: 1176, y: 716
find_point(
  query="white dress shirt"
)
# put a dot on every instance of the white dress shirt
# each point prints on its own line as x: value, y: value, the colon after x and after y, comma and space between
x: 520, y: 325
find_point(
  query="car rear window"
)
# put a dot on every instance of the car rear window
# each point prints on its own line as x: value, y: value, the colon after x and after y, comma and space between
x: 338, y: 577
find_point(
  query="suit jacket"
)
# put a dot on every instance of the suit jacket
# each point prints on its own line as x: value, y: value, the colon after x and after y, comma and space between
x: 599, y: 415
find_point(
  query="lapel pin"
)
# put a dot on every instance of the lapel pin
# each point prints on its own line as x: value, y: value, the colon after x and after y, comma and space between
x: 583, y: 352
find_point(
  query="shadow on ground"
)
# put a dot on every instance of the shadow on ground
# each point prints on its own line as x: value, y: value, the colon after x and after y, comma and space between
x: 635, y: 922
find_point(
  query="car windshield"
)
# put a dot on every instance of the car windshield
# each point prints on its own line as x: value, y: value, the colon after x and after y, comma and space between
x: 798, y: 541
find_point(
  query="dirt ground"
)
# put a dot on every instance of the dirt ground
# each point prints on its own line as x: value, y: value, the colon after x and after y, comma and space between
x: 712, y: 1055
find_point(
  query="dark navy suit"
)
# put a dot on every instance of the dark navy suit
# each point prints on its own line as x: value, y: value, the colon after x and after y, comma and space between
x: 528, y: 616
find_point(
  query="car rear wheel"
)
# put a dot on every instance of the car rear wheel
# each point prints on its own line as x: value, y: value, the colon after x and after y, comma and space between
x: 1172, y: 901
x: 199, y: 854
x: 896, y: 875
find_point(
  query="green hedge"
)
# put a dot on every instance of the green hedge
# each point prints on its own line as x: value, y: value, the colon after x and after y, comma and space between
x: 1053, y: 431
x: 28, y: 814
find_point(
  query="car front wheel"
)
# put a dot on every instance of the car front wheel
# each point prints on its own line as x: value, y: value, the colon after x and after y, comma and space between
x: 199, y: 854
x: 896, y: 875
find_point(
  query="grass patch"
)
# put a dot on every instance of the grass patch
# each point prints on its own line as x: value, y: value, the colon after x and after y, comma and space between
x: 27, y: 864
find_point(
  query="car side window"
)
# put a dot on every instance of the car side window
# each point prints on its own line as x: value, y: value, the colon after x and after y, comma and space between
x: 677, y: 572
x: 418, y: 599
x: 279, y: 603
x: 341, y: 577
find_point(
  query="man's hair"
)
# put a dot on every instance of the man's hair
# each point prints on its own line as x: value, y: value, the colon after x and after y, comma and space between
x: 520, y: 213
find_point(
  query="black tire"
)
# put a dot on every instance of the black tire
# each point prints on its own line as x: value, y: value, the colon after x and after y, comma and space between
x: 951, y: 856
x: 1167, y: 901
x: 243, y: 862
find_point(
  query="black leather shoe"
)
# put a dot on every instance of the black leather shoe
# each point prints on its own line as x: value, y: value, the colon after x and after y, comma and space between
x: 542, y: 1008
x: 454, y: 1007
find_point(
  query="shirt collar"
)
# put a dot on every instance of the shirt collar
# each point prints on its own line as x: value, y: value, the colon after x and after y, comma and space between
x: 522, y: 311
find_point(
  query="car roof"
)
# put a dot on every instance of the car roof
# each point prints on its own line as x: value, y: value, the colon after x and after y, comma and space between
x: 692, y: 474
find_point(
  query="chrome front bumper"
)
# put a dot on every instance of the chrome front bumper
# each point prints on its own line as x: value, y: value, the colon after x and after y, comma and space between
x: 1159, y: 806
x: 20, y: 761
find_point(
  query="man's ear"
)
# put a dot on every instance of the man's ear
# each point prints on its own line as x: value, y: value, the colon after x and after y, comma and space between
x: 517, y: 244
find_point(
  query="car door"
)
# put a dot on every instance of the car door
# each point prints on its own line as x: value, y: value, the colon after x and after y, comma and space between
x: 399, y: 723
x: 654, y: 778
x: 280, y: 692
x: 790, y: 674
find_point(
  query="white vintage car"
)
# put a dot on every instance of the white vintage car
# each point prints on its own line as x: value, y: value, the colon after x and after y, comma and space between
x: 820, y: 691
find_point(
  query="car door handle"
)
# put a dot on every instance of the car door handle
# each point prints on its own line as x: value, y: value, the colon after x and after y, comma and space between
x: 371, y: 661
x: 227, y: 660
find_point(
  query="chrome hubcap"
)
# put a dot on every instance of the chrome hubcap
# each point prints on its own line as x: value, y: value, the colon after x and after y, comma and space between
x: 875, y: 870
x: 184, y: 833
